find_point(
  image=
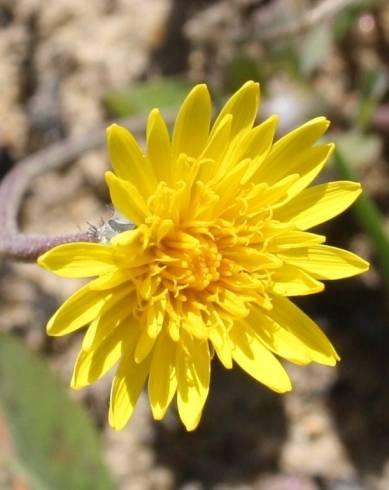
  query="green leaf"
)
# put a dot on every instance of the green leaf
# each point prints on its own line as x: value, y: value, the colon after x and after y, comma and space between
x: 55, y: 446
x: 142, y: 97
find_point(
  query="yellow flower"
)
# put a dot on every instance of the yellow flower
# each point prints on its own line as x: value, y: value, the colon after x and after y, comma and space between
x: 220, y: 242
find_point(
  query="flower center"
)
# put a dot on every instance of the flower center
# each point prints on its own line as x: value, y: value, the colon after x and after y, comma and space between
x: 195, y: 263
x: 197, y: 268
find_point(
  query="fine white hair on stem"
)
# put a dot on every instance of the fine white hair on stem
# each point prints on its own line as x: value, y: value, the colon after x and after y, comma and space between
x: 26, y: 247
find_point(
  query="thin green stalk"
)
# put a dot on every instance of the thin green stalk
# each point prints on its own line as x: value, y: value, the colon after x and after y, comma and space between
x: 369, y: 217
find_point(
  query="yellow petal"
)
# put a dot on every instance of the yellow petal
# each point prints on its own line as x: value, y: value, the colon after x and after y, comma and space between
x: 192, y: 123
x: 79, y: 260
x: 78, y: 310
x: 318, y: 204
x: 129, y: 239
x: 126, y: 388
x: 306, y: 163
x: 193, y: 374
x: 243, y: 105
x: 213, y: 153
x: 162, y: 381
x: 291, y: 146
x: 254, y: 358
x: 228, y: 183
x: 91, y: 365
x: 221, y: 342
x: 110, y: 280
x: 111, y: 315
x: 90, y: 334
x: 126, y: 198
x: 156, y: 317
x: 325, y: 262
x: 194, y: 324
x: 143, y: 346
x: 298, y: 324
x: 294, y: 239
x: 292, y: 281
x: 258, y: 145
x: 105, y: 347
x: 308, y: 166
x: 218, y: 142
x: 281, y: 341
x: 233, y: 303
x: 128, y: 160
x: 253, y: 143
x: 158, y: 146
x: 261, y: 195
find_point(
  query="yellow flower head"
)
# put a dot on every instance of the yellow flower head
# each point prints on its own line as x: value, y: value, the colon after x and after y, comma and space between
x: 219, y: 243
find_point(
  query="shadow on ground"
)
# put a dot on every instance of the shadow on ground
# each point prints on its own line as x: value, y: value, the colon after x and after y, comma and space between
x: 360, y: 398
x: 240, y: 435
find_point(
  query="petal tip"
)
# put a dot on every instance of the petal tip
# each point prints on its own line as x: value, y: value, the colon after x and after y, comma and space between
x: 200, y: 88
x: 157, y: 413
x: 286, y: 388
x: 41, y: 260
x: 191, y: 425
x: 154, y: 115
x: 154, y: 111
x: 332, y: 361
x: 116, y: 133
x: 74, y: 385
x: 50, y: 327
x: 320, y: 121
x: 109, y: 176
x: 111, y: 128
x: 356, y: 188
x: 114, y: 421
x: 250, y: 84
x: 253, y: 86
x: 248, y: 88
x: 331, y: 148
x: 117, y: 424
x: 288, y: 384
x: 365, y: 265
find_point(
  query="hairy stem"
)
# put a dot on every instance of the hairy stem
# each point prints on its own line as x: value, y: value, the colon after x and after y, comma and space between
x: 14, y: 243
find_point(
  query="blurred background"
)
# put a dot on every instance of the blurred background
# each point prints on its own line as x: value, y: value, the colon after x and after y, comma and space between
x: 69, y: 66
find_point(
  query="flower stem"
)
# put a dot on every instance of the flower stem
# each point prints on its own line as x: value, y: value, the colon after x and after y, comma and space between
x: 14, y: 243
